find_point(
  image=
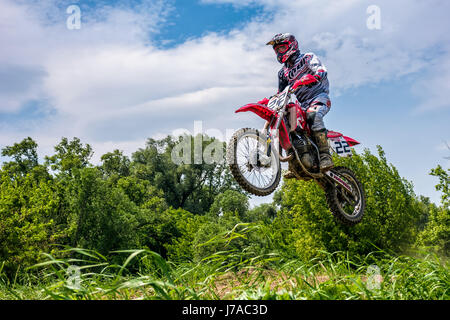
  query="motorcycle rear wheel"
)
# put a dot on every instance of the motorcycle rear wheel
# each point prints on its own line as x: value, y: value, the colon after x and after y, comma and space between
x: 347, y: 207
x: 253, y: 177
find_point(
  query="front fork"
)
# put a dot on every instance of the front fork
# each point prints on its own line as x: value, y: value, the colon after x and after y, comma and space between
x: 267, y: 125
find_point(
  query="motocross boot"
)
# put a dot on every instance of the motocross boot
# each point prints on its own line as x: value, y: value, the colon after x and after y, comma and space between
x: 326, y: 161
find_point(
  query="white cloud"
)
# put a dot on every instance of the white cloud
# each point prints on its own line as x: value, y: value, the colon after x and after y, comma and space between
x: 433, y: 87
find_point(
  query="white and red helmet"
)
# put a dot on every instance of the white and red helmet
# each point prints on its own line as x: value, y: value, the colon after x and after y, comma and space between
x: 284, y: 45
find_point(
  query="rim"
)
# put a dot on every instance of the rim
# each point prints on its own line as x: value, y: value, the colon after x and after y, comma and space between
x: 350, y: 203
x: 260, y: 171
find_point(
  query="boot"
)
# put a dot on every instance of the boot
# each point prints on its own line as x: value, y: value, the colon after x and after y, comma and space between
x: 326, y: 161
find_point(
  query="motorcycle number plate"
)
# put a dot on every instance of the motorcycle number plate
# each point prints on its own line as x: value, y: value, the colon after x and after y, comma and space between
x: 279, y: 100
x: 340, y: 146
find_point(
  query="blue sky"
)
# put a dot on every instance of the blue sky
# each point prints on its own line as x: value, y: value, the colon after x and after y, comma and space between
x: 144, y: 68
x: 191, y: 19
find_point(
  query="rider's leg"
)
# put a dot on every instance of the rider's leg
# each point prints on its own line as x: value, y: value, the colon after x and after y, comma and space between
x: 315, y: 113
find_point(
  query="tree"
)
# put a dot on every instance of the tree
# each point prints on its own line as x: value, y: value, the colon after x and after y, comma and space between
x: 191, y: 186
x: 230, y: 201
x: 70, y: 155
x: 24, y: 156
x: 27, y: 205
x: 443, y: 185
x: 437, y: 231
x: 182, y: 248
x: 115, y: 164
x: 103, y: 217
x: 265, y: 212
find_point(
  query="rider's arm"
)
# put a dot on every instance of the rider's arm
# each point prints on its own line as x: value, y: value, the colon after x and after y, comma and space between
x: 282, y: 81
x: 318, y: 70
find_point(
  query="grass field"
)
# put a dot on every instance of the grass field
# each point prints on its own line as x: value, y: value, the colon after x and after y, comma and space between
x: 232, y: 275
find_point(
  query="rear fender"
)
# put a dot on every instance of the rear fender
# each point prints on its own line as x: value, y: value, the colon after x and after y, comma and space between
x: 351, y: 142
x: 335, y: 135
x: 341, y: 144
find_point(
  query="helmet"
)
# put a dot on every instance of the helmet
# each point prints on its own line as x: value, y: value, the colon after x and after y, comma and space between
x: 285, y: 45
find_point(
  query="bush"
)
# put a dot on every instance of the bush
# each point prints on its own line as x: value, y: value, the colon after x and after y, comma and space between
x: 390, y: 222
x: 27, y: 205
x: 437, y: 232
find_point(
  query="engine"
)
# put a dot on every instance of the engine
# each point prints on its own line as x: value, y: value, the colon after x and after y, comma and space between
x: 303, y: 148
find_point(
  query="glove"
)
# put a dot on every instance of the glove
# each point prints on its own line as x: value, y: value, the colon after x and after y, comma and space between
x: 306, y: 80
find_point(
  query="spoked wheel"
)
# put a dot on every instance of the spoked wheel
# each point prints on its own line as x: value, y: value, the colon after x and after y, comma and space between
x: 348, y: 207
x: 251, y: 167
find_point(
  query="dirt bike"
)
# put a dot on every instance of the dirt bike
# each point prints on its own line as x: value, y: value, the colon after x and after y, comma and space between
x: 254, y: 157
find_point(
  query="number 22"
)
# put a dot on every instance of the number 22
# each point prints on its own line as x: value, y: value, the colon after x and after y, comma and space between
x: 342, y: 147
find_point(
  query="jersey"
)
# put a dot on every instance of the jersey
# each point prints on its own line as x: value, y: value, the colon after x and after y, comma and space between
x: 307, y: 63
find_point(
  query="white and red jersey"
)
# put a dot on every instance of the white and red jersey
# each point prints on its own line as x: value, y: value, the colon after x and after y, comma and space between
x: 307, y: 63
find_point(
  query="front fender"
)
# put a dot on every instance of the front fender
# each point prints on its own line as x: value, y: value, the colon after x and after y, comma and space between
x: 267, y: 114
x: 260, y: 109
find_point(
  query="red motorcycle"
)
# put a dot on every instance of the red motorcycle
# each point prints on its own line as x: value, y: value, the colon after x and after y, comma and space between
x: 254, y: 157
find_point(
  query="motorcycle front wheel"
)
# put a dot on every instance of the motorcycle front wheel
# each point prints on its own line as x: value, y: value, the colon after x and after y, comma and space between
x: 247, y: 157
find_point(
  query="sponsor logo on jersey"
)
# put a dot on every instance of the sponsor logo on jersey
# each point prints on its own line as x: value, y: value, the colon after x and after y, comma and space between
x: 299, y: 68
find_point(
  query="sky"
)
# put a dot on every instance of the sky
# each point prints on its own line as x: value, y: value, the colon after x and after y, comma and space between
x: 145, y: 68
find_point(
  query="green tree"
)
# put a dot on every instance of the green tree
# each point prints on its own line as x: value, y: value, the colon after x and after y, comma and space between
x: 28, y: 202
x: 437, y: 231
x: 70, y: 155
x: 182, y: 248
x: 24, y: 155
x: 444, y: 184
x: 265, y: 212
x: 191, y: 186
x: 230, y: 201
x: 115, y: 164
x: 103, y: 218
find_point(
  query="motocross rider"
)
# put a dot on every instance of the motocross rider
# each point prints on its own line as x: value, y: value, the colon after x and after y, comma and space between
x: 312, y: 94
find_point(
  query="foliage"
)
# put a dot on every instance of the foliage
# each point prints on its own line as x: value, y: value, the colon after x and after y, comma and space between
x: 236, y: 275
x: 70, y: 155
x: 230, y: 202
x: 27, y: 204
x: 390, y: 221
x: 183, y: 228
x: 182, y: 248
x: 265, y: 212
x: 24, y: 155
x: 437, y: 232
x: 192, y: 185
x: 115, y: 164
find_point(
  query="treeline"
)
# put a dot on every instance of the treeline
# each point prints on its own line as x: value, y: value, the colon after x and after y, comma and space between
x: 178, y: 210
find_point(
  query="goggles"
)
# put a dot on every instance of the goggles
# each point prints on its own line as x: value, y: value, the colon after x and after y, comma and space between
x: 281, y: 48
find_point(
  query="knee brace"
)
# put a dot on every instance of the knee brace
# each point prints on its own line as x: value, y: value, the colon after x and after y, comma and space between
x: 315, y: 116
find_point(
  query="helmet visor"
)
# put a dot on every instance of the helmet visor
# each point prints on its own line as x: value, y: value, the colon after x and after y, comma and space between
x: 281, y: 48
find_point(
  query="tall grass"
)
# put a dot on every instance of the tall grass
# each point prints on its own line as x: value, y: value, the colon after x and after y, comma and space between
x: 233, y: 274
